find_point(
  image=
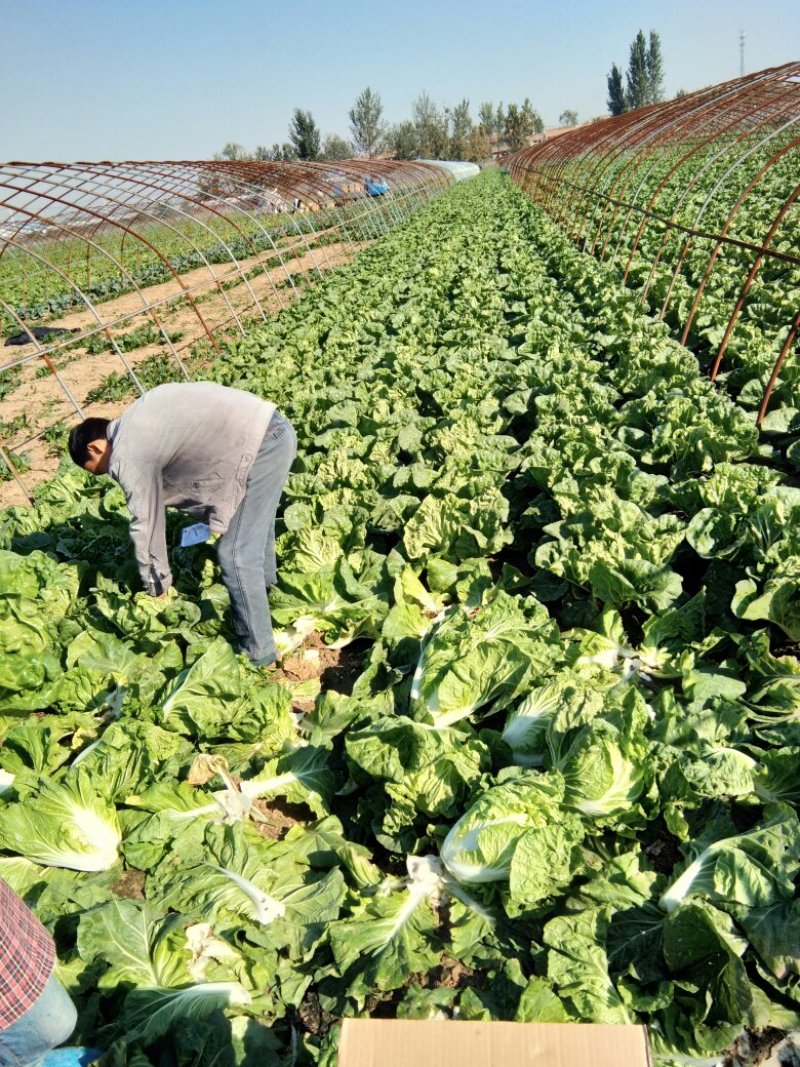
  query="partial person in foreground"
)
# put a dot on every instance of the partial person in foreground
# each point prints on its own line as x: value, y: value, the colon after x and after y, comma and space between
x: 222, y: 456
x: 36, y: 1013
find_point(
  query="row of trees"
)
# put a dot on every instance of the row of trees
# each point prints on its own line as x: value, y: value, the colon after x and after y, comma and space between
x: 644, y: 78
x: 432, y: 132
x: 435, y: 132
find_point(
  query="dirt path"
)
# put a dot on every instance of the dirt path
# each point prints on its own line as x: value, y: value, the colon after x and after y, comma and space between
x: 226, y: 299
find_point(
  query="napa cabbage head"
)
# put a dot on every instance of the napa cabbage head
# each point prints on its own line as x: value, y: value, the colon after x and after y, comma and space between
x: 602, y: 778
x: 476, y: 661
x: 525, y: 731
x: 62, y: 824
x: 481, y: 845
x: 602, y: 751
x: 563, y: 702
x: 754, y: 869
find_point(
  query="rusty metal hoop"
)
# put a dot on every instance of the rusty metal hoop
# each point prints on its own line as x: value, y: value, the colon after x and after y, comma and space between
x: 716, y: 169
x: 107, y: 245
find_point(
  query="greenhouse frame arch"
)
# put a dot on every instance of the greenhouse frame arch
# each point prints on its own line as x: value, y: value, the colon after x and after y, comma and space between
x: 102, y: 255
x: 695, y: 203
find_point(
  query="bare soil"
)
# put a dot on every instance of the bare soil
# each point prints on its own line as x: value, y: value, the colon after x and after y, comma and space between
x: 451, y: 974
x: 336, y: 668
x: 129, y: 885
x: 664, y: 853
x: 279, y: 817
x: 313, y: 1018
x: 225, y: 304
x: 757, y: 1047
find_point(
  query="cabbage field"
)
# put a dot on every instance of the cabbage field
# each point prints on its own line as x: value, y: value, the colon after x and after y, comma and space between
x: 558, y: 778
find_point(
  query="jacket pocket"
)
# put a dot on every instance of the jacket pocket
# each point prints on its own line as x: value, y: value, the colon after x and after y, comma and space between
x: 243, y: 470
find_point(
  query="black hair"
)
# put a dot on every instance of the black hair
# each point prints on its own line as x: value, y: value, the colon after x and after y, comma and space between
x: 81, y: 437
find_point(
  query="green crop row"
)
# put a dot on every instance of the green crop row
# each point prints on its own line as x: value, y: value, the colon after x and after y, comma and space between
x: 55, y: 275
x: 563, y: 783
x: 699, y: 190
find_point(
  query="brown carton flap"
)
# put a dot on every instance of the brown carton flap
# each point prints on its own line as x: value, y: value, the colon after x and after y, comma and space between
x: 439, y: 1043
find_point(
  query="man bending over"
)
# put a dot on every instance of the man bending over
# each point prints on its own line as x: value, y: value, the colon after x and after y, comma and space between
x: 222, y: 456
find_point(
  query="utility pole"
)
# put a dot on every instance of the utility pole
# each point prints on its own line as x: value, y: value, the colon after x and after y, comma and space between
x: 741, y: 53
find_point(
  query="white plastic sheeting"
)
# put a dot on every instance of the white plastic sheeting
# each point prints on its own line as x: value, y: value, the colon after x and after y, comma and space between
x: 458, y: 169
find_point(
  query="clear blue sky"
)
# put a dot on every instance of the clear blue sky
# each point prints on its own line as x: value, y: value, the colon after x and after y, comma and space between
x: 175, y: 79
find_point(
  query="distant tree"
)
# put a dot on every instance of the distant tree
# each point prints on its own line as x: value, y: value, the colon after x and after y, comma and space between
x: 279, y: 153
x: 499, y: 119
x: 432, y: 128
x: 616, y: 93
x: 366, y: 126
x: 335, y: 147
x: 655, y: 70
x: 479, y: 147
x: 486, y: 117
x: 402, y: 140
x: 532, y: 116
x: 519, y: 127
x: 568, y: 118
x: 460, y: 128
x: 304, y: 135
x: 637, y: 82
x: 262, y: 153
x: 680, y: 94
x: 233, y: 151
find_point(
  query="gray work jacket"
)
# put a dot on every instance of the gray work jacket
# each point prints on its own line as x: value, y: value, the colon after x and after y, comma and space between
x: 188, y: 445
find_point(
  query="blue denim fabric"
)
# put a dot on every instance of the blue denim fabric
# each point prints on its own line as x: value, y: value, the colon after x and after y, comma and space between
x: 246, y: 551
x: 47, y: 1023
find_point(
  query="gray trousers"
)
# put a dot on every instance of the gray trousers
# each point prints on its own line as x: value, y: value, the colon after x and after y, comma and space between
x: 246, y: 551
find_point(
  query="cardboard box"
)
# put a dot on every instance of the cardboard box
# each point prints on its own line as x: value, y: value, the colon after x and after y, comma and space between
x: 436, y: 1043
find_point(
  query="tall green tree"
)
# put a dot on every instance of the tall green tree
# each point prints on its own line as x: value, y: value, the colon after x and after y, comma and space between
x: 486, y: 117
x: 367, y: 128
x: 616, y: 92
x: 532, y: 116
x: 644, y: 78
x: 304, y: 135
x: 402, y: 140
x: 568, y: 117
x: 479, y: 147
x: 500, y: 119
x: 637, y: 81
x: 460, y: 129
x: 432, y: 127
x: 655, y: 70
x: 519, y: 127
